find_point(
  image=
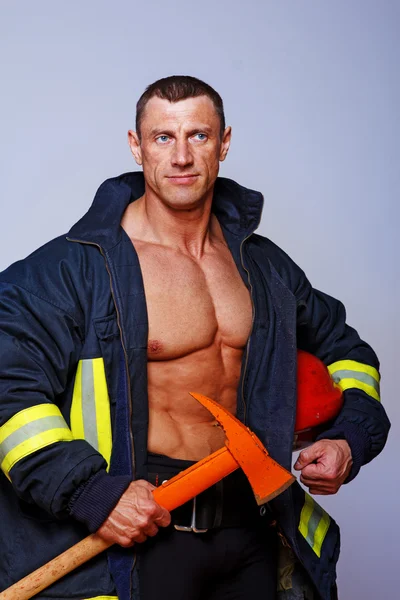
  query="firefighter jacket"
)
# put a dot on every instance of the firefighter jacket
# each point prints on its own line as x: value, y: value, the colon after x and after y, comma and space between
x: 73, y: 388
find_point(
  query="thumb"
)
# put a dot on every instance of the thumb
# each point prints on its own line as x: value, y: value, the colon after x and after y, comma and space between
x: 306, y: 457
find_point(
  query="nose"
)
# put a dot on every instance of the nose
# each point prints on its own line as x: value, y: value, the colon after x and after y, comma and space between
x: 182, y: 155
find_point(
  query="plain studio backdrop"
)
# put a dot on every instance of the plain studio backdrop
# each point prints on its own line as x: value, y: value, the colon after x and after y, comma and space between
x: 311, y: 89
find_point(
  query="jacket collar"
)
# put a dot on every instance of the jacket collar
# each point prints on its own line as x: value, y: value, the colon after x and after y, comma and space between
x: 237, y: 208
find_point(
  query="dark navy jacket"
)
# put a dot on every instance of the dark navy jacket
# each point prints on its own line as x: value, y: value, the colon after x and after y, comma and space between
x: 73, y: 318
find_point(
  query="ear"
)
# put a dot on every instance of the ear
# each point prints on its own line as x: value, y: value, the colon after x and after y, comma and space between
x: 226, y: 142
x: 134, y: 144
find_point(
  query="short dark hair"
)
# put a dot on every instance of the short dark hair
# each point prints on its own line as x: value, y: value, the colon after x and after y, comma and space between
x: 179, y: 87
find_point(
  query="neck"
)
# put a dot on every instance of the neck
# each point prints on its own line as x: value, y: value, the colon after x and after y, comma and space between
x: 150, y: 220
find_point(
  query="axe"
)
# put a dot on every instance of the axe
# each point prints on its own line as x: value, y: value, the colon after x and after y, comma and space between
x: 242, y: 449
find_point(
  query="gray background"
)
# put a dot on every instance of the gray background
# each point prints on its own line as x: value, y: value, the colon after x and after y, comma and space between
x: 311, y: 89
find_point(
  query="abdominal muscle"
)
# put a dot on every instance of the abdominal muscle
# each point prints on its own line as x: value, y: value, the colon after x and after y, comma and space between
x: 179, y: 426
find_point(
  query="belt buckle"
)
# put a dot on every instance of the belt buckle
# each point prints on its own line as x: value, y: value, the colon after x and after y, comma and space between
x: 193, y: 523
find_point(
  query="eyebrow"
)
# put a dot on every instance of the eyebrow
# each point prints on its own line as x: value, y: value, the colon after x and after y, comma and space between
x: 200, y: 128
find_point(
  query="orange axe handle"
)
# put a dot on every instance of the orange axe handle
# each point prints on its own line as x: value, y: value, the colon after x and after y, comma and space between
x: 172, y: 494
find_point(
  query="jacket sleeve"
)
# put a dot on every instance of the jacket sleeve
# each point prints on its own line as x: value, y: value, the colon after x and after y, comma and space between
x: 40, y: 345
x: 354, y: 366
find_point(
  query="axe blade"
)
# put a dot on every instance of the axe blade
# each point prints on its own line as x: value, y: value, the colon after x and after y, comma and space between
x: 266, y: 477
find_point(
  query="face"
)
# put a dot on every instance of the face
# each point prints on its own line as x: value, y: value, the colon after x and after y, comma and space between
x: 180, y: 150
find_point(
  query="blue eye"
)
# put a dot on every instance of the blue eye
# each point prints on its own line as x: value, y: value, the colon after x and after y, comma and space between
x: 162, y: 139
x: 200, y: 136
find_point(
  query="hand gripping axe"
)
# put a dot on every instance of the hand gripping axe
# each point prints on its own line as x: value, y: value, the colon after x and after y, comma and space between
x: 242, y: 449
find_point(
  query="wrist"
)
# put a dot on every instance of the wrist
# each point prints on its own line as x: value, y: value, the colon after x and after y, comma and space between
x: 94, y: 500
x: 357, y: 439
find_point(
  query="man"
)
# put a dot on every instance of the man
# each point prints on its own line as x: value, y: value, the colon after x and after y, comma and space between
x: 162, y: 289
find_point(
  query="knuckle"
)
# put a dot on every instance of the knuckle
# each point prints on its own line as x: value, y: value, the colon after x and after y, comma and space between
x: 163, y: 520
x: 141, y: 522
x: 152, y: 509
x: 152, y: 531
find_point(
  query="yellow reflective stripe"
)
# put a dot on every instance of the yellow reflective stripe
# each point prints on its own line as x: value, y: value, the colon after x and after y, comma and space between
x: 103, y: 418
x: 90, y: 409
x: 102, y: 598
x: 30, y: 430
x: 305, y: 515
x: 348, y: 383
x: 41, y: 440
x: 320, y: 533
x: 28, y: 415
x: 353, y: 365
x: 314, y: 524
x: 351, y: 374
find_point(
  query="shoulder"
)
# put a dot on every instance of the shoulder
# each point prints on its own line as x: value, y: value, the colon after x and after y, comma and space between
x: 60, y: 272
x: 280, y: 262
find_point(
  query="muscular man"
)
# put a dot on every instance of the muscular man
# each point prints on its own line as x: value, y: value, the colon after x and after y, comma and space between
x: 159, y: 290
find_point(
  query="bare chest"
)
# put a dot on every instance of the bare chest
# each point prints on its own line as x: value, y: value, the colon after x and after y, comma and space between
x: 193, y: 304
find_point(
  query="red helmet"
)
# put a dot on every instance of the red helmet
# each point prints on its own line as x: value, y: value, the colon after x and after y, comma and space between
x: 319, y: 399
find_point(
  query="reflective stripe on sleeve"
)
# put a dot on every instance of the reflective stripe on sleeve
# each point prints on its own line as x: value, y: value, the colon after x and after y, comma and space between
x: 90, y: 410
x: 30, y: 430
x: 103, y: 598
x: 352, y: 374
x: 314, y: 524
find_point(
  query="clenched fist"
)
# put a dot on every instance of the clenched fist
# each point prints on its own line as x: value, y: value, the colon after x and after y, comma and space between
x: 135, y: 517
x: 325, y: 466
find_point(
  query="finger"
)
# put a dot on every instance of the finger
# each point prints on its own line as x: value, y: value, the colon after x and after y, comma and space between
x: 308, y: 456
x: 163, y: 519
x: 125, y: 542
x: 325, y: 472
x: 321, y: 483
x: 145, y: 505
x: 151, y: 530
x: 110, y: 535
x: 318, y: 492
x: 140, y: 537
x: 309, y: 482
x: 313, y: 472
x: 152, y: 512
x: 323, y: 490
x: 330, y: 487
x: 145, y: 484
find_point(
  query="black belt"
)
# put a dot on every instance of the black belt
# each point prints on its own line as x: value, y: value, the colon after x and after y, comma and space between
x: 228, y: 503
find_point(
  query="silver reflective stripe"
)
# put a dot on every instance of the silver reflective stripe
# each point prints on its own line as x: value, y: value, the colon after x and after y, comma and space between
x: 337, y: 376
x: 89, y: 404
x: 313, y: 523
x: 29, y: 430
x: 90, y: 409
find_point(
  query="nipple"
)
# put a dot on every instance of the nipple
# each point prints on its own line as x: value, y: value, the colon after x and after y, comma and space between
x: 154, y: 346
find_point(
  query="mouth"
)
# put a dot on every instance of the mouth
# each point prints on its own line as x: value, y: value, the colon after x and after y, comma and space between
x: 186, y: 179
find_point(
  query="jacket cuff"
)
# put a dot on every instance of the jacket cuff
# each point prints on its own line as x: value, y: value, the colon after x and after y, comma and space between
x: 93, y: 501
x: 358, y: 440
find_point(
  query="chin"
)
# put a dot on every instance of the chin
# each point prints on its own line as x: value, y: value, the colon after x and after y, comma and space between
x: 183, y: 203
x: 183, y: 199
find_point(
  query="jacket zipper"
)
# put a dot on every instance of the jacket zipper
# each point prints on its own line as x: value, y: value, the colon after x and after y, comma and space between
x: 251, y: 332
x: 122, y: 341
x: 281, y: 534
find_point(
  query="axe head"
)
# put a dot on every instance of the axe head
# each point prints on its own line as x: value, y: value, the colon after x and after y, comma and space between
x: 267, y: 478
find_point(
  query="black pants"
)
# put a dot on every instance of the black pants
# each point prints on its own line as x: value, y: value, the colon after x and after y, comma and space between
x: 225, y: 563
